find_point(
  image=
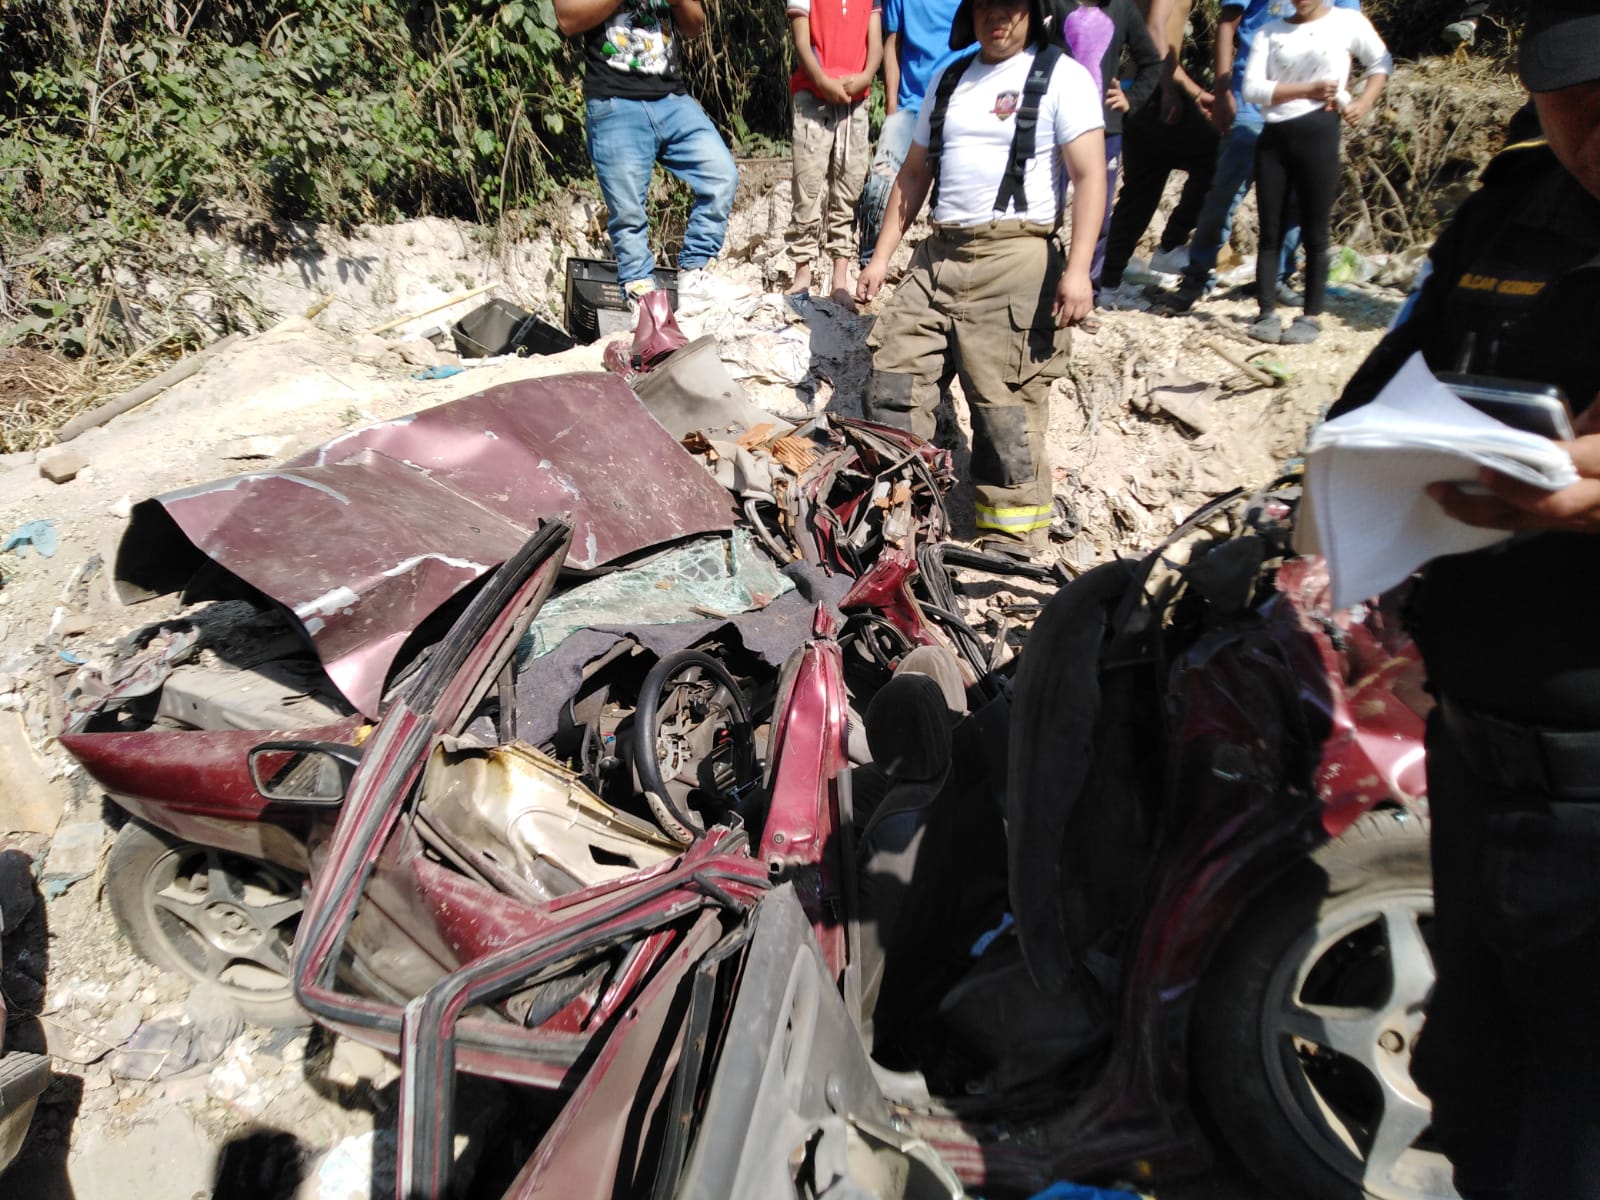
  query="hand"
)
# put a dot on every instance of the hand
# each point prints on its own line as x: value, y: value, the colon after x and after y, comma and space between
x: 1510, y: 504
x: 1116, y: 98
x: 870, y: 282
x: 1355, y: 112
x: 832, y: 91
x: 1074, y: 299
x: 1224, y: 109
x: 854, y: 85
x: 1205, y: 102
x: 1324, y: 90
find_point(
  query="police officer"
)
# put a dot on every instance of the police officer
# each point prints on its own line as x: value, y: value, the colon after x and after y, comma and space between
x: 1510, y: 1054
x: 989, y: 293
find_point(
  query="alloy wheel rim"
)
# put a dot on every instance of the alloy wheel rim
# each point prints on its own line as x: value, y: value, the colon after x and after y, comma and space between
x: 1341, y: 1015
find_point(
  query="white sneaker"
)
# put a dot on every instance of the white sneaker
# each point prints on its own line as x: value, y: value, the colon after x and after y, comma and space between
x: 699, y: 291
x: 1126, y: 296
x: 1171, y: 262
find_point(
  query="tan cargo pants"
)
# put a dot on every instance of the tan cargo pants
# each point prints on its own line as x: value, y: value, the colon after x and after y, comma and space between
x: 978, y: 299
x: 832, y: 152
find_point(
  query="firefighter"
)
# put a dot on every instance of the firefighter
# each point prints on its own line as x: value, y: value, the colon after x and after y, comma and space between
x: 991, y: 293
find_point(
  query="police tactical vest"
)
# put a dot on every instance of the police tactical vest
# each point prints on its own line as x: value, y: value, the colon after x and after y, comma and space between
x: 1022, y: 137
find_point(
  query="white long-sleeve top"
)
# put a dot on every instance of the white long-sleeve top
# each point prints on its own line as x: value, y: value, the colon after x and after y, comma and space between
x: 1309, y: 52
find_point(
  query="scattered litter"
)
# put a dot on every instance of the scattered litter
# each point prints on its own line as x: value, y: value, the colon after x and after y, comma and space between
x: 356, y: 1168
x: 985, y: 940
x: 41, y: 535
x: 442, y: 371
x: 162, y: 1049
x: 1080, y: 1191
x: 1349, y: 267
x: 74, y: 854
x: 73, y: 657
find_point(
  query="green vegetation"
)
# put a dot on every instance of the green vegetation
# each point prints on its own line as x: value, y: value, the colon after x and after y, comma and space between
x: 118, y: 117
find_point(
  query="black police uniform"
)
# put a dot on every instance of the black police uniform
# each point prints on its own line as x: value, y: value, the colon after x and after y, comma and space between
x: 1510, y: 1054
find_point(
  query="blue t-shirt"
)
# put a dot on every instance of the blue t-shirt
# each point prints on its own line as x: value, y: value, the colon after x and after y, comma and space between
x: 924, y: 29
x: 1256, y: 14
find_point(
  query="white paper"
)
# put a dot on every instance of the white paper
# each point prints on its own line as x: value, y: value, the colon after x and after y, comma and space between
x: 1366, y: 473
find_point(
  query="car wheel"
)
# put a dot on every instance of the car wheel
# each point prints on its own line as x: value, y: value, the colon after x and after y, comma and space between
x: 216, y: 917
x: 1307, y: 1018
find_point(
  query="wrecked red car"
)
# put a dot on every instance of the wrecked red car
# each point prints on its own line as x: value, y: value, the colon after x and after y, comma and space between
x: 757, y: 859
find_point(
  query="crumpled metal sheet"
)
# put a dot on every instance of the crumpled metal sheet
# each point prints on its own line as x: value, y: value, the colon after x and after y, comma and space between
x: 365, y: 536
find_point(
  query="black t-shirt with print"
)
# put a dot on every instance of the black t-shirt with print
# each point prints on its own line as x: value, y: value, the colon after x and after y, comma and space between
x: 633, y: 53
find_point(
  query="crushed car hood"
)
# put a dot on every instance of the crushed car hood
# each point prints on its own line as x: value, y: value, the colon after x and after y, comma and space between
x: 365, y: 536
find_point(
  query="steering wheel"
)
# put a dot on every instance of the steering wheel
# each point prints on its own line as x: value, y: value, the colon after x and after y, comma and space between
x: 695, y: 745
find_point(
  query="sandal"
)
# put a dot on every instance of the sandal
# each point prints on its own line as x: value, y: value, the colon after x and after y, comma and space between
x: 1267, y: 328
x: 1301, y: 331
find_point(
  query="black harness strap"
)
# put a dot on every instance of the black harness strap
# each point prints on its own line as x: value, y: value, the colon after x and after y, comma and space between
x: 1022, y: 141
x: 941, y: 101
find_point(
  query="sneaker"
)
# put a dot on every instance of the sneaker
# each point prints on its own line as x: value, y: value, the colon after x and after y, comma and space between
x: 1268, y: 328
x: 1288, y: 297
x: 1185, y: 298
x: 1458, y: 34
x: 1125, y: 297
x: 1299, y: 332
x: 1170, y: 262
x: 699, y: 291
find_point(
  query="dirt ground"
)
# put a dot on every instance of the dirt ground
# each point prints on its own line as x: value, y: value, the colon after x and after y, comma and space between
x: 1155, y: 417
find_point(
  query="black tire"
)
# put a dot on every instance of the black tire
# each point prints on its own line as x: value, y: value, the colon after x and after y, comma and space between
x: 210, y: 915
x: 1306, y: 1019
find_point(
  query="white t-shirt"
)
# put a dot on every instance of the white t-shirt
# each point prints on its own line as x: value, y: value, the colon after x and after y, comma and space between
x: 978, y: 127
x: 1308, y: 53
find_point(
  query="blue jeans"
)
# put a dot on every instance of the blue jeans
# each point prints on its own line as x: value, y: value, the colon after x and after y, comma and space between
x: 1236, y: 170
x: 894, y: 143
x: 626, y: 140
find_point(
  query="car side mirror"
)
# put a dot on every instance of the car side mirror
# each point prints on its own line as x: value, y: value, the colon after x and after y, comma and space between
x: 316, y: 774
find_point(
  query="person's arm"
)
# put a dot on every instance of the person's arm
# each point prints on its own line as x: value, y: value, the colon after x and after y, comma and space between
x: 688, y: 17
x: 1085, y: 160
x: 859, y: 84
x: 1368, y: 49
x: 891, y: 73
x: 579, y: 16
x: 905, y: 202
x: 1165, y: 21
x: 828, y: 89
x: 1225, y: 109
x: 1142, y: 50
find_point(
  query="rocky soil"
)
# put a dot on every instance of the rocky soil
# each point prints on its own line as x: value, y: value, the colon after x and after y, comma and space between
x: 1156, y: 416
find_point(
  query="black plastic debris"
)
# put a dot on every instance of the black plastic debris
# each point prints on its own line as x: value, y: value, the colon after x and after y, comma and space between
x: 500, y: 327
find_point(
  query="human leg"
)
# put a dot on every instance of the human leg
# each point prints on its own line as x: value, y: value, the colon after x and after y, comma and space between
x: 1313, y: 161
x: 851, y: 157
x: 1193, y: 150
x: 1230, y: 180
x: 894, y: 143
x: 693, y: 150
x: 622, y: 145
x: 1008, y: 353
x: 1469, y: 1058
x: 1113, y: 165
x: 810, y: 149
x: 910, y: 346
x: 1272, y: 183
x: 1144, y: 174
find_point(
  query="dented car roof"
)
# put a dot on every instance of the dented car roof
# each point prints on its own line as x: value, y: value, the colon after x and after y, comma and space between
x: 365, y: 536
